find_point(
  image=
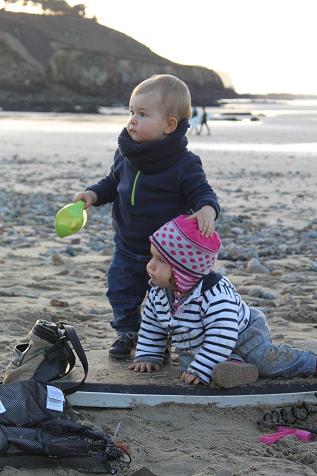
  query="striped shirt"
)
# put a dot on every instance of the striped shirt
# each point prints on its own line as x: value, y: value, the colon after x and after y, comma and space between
x: 206, y: 325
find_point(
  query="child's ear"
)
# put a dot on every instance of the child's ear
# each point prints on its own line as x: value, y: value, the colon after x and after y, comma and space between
x: 171, y: 125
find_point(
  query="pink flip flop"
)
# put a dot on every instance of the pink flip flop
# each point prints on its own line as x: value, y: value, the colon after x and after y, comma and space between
x: 283, y: 431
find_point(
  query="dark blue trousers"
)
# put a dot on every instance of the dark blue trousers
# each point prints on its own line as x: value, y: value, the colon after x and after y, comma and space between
x: 127, y: 287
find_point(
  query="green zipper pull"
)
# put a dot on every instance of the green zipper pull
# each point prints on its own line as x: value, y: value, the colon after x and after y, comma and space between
x: 134, y: 187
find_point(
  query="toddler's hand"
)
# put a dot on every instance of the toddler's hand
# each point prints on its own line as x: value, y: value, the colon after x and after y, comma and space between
x: 89, y: 197
x: 190, y: 379
x: 205, y: 218
x: 144, y: 367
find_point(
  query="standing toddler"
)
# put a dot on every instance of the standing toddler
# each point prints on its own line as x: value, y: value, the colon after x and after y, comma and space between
x: 154, y: 178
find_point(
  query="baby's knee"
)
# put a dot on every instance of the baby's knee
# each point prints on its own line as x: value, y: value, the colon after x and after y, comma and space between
x: 266, y: 360
x: 279, y: 361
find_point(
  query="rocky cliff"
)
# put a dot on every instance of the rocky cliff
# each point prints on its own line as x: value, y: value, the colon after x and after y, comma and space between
x: 59, y: 62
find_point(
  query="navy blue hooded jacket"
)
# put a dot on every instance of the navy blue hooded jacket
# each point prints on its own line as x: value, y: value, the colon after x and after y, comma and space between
x: 151, y: 183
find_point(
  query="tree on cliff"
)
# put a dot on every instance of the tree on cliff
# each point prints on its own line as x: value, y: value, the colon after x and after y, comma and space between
x: 56, y: 7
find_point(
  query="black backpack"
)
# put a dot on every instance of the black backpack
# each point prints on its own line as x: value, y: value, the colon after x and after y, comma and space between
x: 38, y: 428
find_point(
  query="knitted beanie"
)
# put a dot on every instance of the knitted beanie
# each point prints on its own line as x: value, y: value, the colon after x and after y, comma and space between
x: 191, y: 255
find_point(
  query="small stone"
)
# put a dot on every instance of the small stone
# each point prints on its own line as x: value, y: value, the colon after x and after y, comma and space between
x: 64, y: 272
x: 261, y: 293
x: 70, y: 250
x: 313, y: 266
x: 236, y: 252
x: 279, y: 336
x: 237, y: 230
x: 254, y: 266
x: 287, y: 299
x: 58, y: 303
x: 57, y: 260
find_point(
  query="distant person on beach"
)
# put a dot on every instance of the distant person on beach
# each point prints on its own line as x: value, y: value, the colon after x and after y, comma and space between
x: 216, y: 334
x: 154, y: 177
x: 203, y: 122
x: 194, y: 121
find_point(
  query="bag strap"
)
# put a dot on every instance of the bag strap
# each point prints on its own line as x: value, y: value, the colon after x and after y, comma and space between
x: 71, y: 336
x: 210, y: 280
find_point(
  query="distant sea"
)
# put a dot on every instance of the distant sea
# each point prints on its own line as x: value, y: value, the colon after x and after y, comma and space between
x: 281, y: 126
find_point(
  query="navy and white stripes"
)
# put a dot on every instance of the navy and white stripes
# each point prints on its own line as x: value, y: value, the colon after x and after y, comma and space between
x: 205, y: 325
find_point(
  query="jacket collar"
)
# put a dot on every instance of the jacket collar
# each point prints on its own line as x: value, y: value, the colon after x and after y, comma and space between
x: 193, y: 295
x: 157, y: 156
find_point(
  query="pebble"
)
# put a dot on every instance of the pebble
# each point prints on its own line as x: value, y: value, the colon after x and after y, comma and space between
x: 287, y: 299
x: 255, y: 266
x: 70, y: 250
x: 261, y: 293
x: 236, y: 252
x: 313, y: 266
x: 57, y: 260
x: 58, y: 303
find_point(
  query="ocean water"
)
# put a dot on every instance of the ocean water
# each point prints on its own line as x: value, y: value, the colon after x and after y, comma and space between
x: 283, y: 127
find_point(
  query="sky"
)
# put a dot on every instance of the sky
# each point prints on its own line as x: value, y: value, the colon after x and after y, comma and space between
x: 263, y: 46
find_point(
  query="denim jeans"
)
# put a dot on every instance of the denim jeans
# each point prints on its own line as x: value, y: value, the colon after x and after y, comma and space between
x: 254, y: 345
x: 127, y: 286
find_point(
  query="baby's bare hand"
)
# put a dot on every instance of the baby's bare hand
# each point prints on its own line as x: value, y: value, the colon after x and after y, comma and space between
x: 89, y: 197
x: 190, y: 379
x: 143, y: 367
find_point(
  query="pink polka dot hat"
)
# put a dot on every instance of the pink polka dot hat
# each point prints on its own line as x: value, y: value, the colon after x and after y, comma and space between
x: 191, y: 255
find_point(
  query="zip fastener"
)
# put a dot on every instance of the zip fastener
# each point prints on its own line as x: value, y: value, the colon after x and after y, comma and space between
x: 134, y: 187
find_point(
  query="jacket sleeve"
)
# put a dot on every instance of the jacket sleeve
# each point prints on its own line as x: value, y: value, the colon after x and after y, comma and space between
x: 106, y: 188
x: 195, y: 187
x: 221, y: 334
x: 152, y: 337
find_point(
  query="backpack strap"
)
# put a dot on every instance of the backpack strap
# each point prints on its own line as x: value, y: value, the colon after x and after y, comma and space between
x: 71, y: 336
x: 59, y: 358
x: 210, y: 280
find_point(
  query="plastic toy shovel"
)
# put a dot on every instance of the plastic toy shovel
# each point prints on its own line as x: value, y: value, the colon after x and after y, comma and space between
x: 70, y: 219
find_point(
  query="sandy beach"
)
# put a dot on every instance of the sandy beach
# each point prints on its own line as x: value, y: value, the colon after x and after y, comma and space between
x: 264, y: 173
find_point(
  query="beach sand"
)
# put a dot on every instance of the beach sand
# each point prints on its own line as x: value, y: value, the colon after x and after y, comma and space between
x: 264, y: 173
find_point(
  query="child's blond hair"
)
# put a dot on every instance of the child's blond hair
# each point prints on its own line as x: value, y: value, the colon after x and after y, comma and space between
x: 174, y: 93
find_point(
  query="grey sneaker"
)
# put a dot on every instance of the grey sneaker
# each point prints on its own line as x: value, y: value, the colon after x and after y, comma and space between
x: 231, y: 373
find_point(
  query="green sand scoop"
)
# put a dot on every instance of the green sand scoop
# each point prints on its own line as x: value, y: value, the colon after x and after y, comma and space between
x: 70, y: 219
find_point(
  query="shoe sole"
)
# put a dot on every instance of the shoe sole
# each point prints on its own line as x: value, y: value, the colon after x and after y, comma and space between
x: 119, y: 356
x: 229, y: 375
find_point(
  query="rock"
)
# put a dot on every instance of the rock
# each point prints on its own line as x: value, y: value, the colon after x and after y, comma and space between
x: 58, y: 303
x: 236, y: 252
x: 260, y: 293
x: 287, y: 299
x: 96, y: 246
x: 276, y: 272
x: 254, y: 266
x: 279, y: 336
x: 70, y: 250
x: 282, y: 247
x: 57, y: 260
x: 312, y: 234
x: 313, y: 266
x: 237, y: 230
